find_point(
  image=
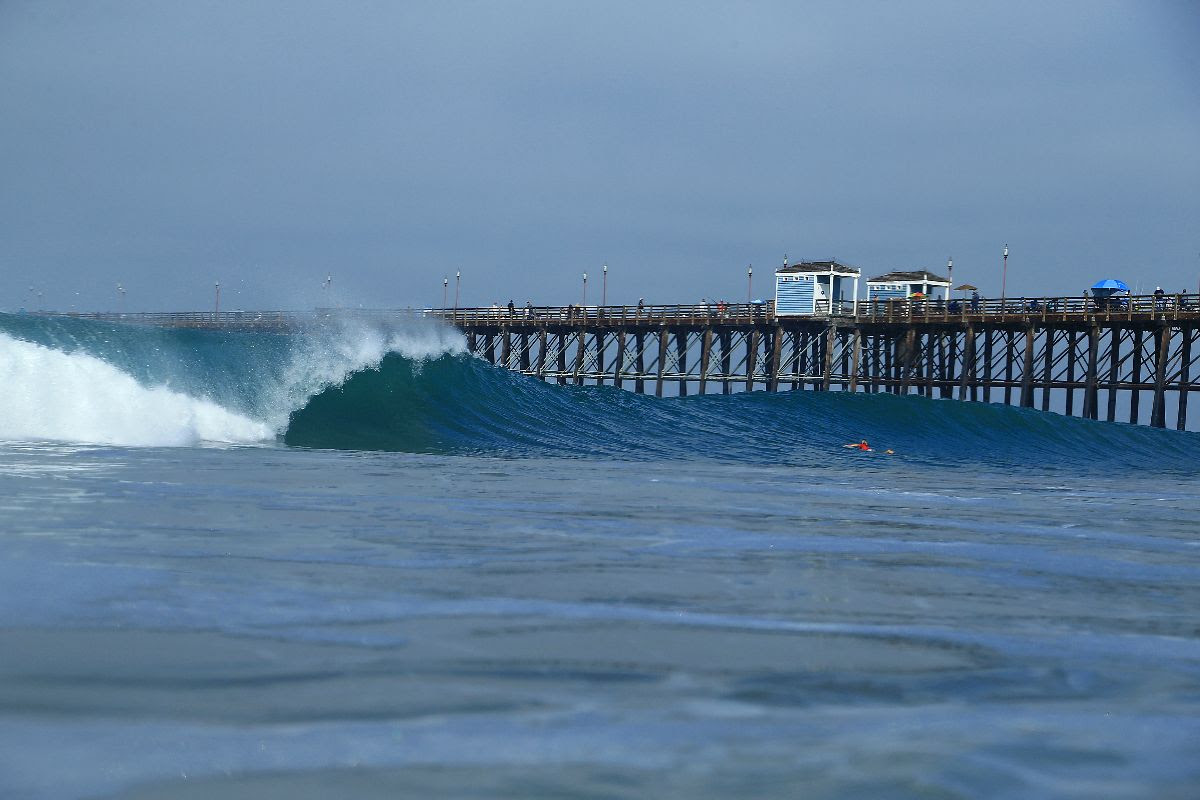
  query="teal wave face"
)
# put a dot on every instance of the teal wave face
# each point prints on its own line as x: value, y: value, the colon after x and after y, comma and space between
x: 349, y: 386
x: 458, y: 404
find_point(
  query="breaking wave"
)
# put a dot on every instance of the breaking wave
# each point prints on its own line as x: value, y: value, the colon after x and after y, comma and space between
x: 414, y: 388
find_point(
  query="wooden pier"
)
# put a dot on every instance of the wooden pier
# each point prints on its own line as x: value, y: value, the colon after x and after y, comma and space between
x: 1018, y: 352
x: 1136, y: 356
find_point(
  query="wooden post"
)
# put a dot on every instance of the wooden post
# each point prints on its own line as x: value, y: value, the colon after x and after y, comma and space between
x: 773, y: 363
x: 856, y: 359
x: 877, y: 370
x: 907, y: 356
x: 930, y: 364
x: 705, y: 355
x: 816, y: 353
x: 751, y: 357
x: 726, y: 340
x: 506, y: 347
x: 966, y: 381
x: 1047, y: 368
x: 1158, y: 414
x: 579, y: 354
x: 987, y: 365
x: 639, y: 343
x: 948, y: 362
x: 1072, y: 340
x: 1136, y: 378
x: 524, y: 344
x: 1091, y: 399
x: 843, y: 340
x: 1114, y: 367
x: 562, y: 356
x: 1027, y: 368
x: 541, y: 359
x: 489, y: 348
x: 1009, y: 345
x: 662, y: 360
x: 619, y: 361
x: 600, y: 344
x: 1185, y: 358
x: 471, y: 343
x: 681, y: 337
x: 799, y: 358
x: 827, y: 362
x: 890, y: 350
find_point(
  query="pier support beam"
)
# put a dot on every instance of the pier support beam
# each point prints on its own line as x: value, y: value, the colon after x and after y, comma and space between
x: 1185, y: 363
x: 706, y: 339
x: 1158, y: 413
x: 855, y: 359
x: 751, y: 357
x: 1114, y: 367
x: 639, y: 343
x: 1027, y: 369
x: 662, y: 361
x: 681, y: 343
x: 1135, y: 394
x: 1091, y: 399
x: 773, y: 362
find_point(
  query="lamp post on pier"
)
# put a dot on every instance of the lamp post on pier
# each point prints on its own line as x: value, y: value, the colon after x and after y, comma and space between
x: 949, y: 277
x: 585, y: 290
x: 457, y: 281
x: 217, y: 300
x: 121, y: 298
x: 445, y: 288
x: 604, y: 289
x: 1004, y: 279
x: 749, y: 283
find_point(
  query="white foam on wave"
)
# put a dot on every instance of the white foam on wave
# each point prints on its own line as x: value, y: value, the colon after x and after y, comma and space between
x: 49, y: 395
x: 325, y: 357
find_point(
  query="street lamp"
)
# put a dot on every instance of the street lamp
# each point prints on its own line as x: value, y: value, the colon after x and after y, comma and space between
x: 585, y: 290
x: 121, y: 297
x: 1004, y: 278
x: 604, y: 291
x: 949, y: 277
x: 217, y: 300
x: 749, y: 283
x: 457, y: 281
x: 445, y: 288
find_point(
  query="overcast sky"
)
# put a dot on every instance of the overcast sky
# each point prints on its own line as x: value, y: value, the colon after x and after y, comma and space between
x: 166, y: 146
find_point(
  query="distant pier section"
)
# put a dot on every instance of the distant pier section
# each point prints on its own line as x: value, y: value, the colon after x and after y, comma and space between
x: 1136, y: 354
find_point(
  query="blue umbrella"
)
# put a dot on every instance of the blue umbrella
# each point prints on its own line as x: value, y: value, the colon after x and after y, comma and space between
x: 1112, y: 285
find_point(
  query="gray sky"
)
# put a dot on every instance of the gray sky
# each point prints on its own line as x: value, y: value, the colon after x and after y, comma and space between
x: 165, y: 146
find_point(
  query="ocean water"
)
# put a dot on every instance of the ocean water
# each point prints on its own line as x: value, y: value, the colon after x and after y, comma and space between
x: 359, y: 563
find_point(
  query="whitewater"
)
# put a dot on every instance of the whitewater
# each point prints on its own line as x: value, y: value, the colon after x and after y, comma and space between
x: 357, y: 561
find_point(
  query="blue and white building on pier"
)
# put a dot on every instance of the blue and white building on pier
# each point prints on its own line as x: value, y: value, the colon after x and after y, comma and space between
x: 816, y: 287
x: 916, y: 285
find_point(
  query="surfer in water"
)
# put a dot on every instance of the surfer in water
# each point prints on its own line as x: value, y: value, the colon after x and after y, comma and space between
x: 860, y: 446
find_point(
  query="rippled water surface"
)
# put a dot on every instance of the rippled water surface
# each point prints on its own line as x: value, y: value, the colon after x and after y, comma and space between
x: 274, y: 622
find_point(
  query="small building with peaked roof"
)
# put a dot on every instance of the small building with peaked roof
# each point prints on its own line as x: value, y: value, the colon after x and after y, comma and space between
x: 816, y: 287
x: 903, y: 285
